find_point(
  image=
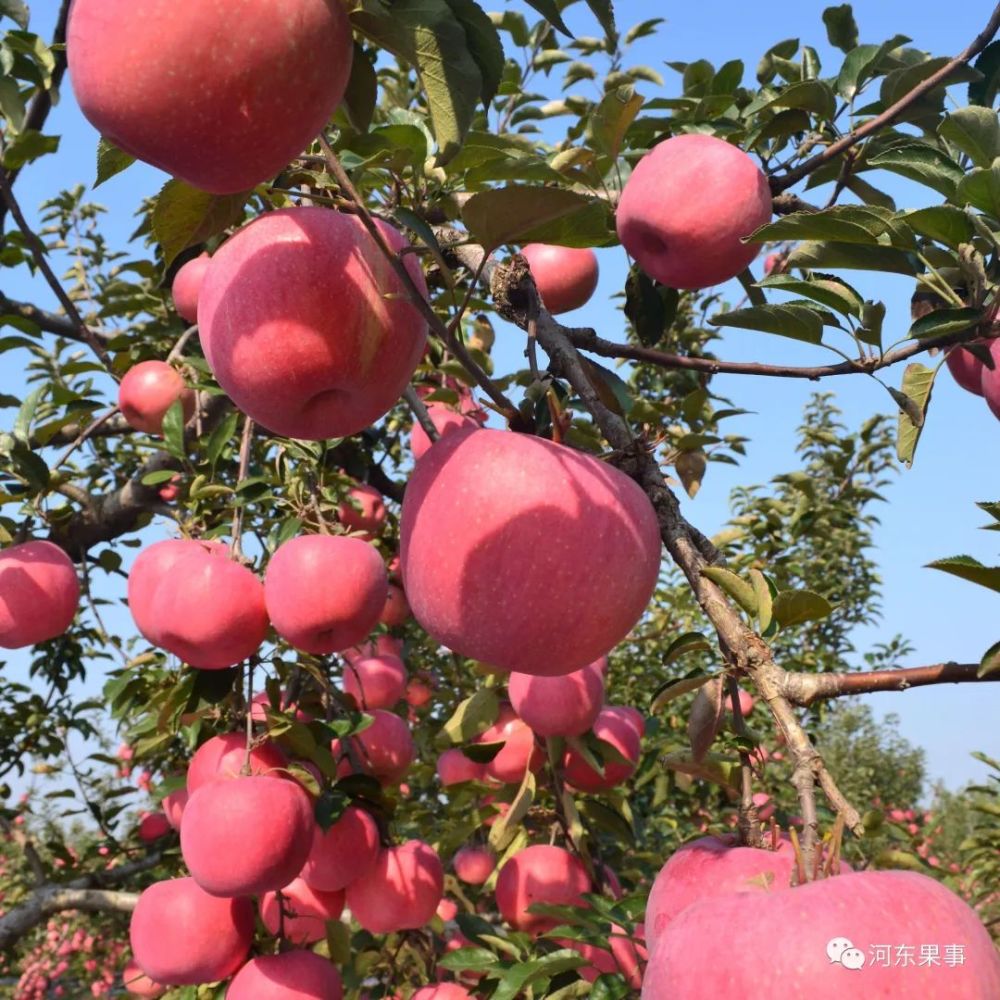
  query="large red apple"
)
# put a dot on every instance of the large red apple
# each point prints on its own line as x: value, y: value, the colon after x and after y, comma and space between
x: 520, y: 751
x: 39, y: 593
x: 218, y: 99
x: 291, y: 975
x: 446, y: 420
x: 617, y: 730
x: 385, y: 749
x: 247, y: 836
x: 566, y: 277
x: 148, y: 390
x: 542, y: 873
x: 401, y: 892
x: 453, y: 768
x: 182, y: 936
x: 556, y: 566
x: 865, y: 935
x: 306, y: 911
x: 966, y: 369
x: 187, y: 287
x: 344, y: 853
x: 305, y: 324
x: 686, y: 208
x: 558, y: 706
x: 325, y: 592
x: 223, y: 757
x: 375, y: 682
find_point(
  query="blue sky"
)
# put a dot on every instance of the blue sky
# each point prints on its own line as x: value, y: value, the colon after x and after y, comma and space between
x: 931, y: 510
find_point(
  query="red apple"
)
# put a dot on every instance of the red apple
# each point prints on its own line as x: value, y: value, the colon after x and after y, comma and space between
x: 222, y: 758
x: 555, y: 568
x: 558, y: 706
x: 385, y: 749
x: 363, y: 509
x: 152, y: 826
x: 127, y: 68
x: 138, y: 984
x: 382, y: 645
x: 182, y: 936
x: 401, y: 892
x: 539, y: 874
x: 474, y: 865
x: 966, y: 369
x: 173, y: 806
x: 344, y: 853
x: 746, y: 703
x: 187, y: 287
x: 306, y: 911
x: 39, y: 593
x: 248, y: 835
x: 291, y: 975
x: 442, y: 991
x: 325, y: 592
x: 447, y: 910
x: 329, y: 348
x: 148, y: 390
x: 990, y: 381
x: 686, y: 208
x: 445, y: 420
x: 629, y: 714
x: 375, y: 682
x: 616, y: 730
x: 833, y: 930
x: 396, y: 610
x: 418, y: 693
x: 566, y: 277
x: 520, y: 751
x: 453, y: 768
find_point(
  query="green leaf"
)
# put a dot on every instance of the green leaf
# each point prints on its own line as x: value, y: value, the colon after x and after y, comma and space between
x: 469, y: 960
x: 872, y: 317
x: 642, y: 29
x: 765, y: 602
x: 918, y: 381
x: 689, y: 642
x: 782, y: 125
x: 975, y: 131
x: 27, y: 146
x: 504, y: 828
x: 851, y: 256
x: 826, y: 289
x: 841, y: 28
x: 738, y: 589
x: 981, y: 189
x: 862, y: 63
x: 522, y: 214
x: 549, y: 9
x: 603, y: 10
x: 484, y: 45
x: 17, y: 11
x: 173, y: 429
x: 793, y: 607
x: 650, y: 308
x: 989, y: 664
x: 922, y: 163
x: 361, y: 94
x: 184, y: 216
x: 714, y: 767
x: 808, y: 95
x: 12, y: 103
x: 157, y: 477
x: 110, y: 161
x: 671, y: 690
x: 220, y: 437
x: 985, y: 91
x: 704, y: 718
x: 766, y: 68
x: 787, y: 320
x: 967, y: 568
x: 841, y: 223
x: 471, y: 717
x: 943, y: 321
x: 943, y: 223
x: 26, y: 414
x: 612, y: 118
x: 869, y: 194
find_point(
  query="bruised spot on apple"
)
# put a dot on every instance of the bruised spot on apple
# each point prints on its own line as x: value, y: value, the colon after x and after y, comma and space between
x: 541, y: 873
x: 291, y: 975
x: 686, y: 208
x: 344, y: 853
x: 525, y: 554
x: 148, y: 390
x: 267, y: 81
x: 182, y: 936
x: 327, y: 349
x: 39, y: 593
x: 186, y: 287
x: 566, y: 277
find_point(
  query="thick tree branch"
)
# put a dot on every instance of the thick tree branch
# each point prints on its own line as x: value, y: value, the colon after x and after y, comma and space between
x: 48, y: 322
x: 779, y: 184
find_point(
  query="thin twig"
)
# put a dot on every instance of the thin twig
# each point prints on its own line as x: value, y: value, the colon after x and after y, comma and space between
x: 94, y: 425
x: 420, y: 413
x: 746, y: 815
x: 236, y: 545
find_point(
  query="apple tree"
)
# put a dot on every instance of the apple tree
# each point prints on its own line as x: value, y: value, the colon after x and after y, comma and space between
x: 354, y: 653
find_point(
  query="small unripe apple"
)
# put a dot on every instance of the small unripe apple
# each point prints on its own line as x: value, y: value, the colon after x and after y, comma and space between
x: 363, y: 509
x: 285, y: 357
x: 375, y: 682
x: 620, y: 733
x: 290, y: 975
x: 558, y: 706
x: 222, y: 758
x: 187, y: 286
x: 325, y: 592
x: 541, y: 873
x: 453, y: 768
x: 345, y: 852
x: 247, y: 836
x: 306, y: 911
x: 474, y: 865
x: 182, y: 936
x: 148, y: 390
x: 401, y: 892
x: 686, y: 208
x: 566, y: 277
x: 39, y: 593
x: 385, y: 749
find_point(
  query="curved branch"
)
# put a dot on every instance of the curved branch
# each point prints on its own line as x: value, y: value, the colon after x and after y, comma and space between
x: 779, y: 184
x: 49, y: 322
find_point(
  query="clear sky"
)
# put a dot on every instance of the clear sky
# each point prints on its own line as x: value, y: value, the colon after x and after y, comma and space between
x: 931, y: 510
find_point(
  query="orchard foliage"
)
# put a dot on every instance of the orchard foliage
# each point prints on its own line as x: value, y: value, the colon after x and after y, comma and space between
x: 474, y: 134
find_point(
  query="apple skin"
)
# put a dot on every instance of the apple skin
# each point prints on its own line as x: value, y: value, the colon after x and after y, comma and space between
x: 222, y: 758
x: 474, y: 865
x: 375, y: 682
x: 396, y: 611
x: 990, y: 381
x: 714, y: 947
x: 267, y: 82
x: 401, y: 892
x: 445, y: 419
x: 442, y: 991
x: 344, y: 853
x: 687, y: 206
x: 138, y: 984
x: 292, y: 975
x: 173, y: 807
x: 329, y: 348
x: 626, y: 957
x: 363, y: 509
x: 556, y: 567
x: 247, y: 836
x: 209, y: 610
x: 558, y: 706
x: 454, y: 768
x: 186, y: 287
x: 966, y: 369
x: 306, y: 911
x: 566, y: 277
x: 152, y: 826
x: 324, y: 593
x: 182, y: 936
x: 382, y: 645
x: 520, y: 751
x: 39, y: 593
x: 147, y: 391
x: 385, y: 749
x: 613, y: 728
x: 541, y: 873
